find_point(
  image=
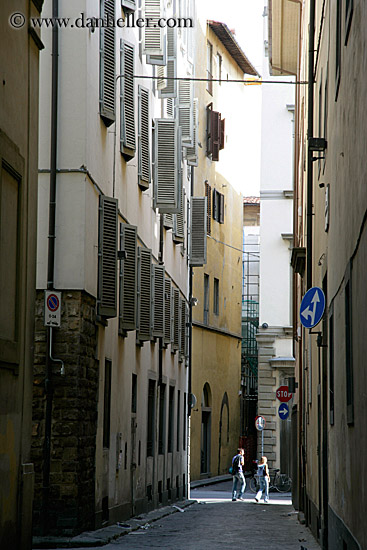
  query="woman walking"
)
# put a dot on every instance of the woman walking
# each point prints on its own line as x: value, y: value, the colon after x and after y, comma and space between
x: 264, y: 478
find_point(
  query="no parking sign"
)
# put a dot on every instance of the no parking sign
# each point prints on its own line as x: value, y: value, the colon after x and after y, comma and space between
x: 52, y: 308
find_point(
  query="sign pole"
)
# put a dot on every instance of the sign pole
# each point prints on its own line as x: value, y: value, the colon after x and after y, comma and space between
x: 262, y: 442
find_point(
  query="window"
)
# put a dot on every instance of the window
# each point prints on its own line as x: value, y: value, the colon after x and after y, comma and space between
x: 175, y: 344
x: 206, y: 299
x: 219, y: 68
x: 158, y: 300
x: 134, y: 392
x: 198, y: 219
x: 144, y: 130
x: 144, y: 332
x: 162, y: 418
x: 167, y: 166
x: 107, y: 257
x: 216, y: 296
x: 185, y: 111
x: 167, y: 311
x: 209, y: 67
x: 127, y: 101
x: 170, y: 418
x: 331, y: 367
x: 178, y: 419
x: 107, y: 63
x: 218, y: 206
x: 184, y: 422
x: 338, y: 50
x: 215, y: 133
x: 151, y: 418
x: 128, y: 276
x: 107, y: 404
x: 349, y: 347
x: 208, y: 194
x: 348, y: 18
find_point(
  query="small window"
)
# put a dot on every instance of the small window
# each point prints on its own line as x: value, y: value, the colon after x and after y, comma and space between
x: 208, y: 194
x: 218, y: 206
x: 162, y: 419
x: 206, y: 299
x: 107, y: 405
x: 170, y: 419
x: 134, y: 392
x: 219, y: 68
x: 209, y: 68
x: 216, y: 297
x: 151, y: 418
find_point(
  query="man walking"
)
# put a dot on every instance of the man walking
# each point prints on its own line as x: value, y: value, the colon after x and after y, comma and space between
x: 237, y: 472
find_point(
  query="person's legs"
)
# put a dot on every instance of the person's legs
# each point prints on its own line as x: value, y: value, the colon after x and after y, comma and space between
x: 243, y: 484
x: 260, y: 491
x: 234, y: 487
x: 266, y: 481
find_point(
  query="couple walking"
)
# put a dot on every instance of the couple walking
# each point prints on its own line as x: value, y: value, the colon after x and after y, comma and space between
x: 238, y: 477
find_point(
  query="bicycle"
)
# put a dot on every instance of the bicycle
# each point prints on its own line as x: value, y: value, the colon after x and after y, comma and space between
x: 280, y: 482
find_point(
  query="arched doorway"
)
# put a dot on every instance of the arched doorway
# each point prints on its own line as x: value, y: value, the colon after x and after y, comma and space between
x: 223, y: 430
x: 206, y: 411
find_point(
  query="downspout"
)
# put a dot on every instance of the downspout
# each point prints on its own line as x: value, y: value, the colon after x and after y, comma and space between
x: 50, y: 271
x: 311, y: 55
x: 189, y: 382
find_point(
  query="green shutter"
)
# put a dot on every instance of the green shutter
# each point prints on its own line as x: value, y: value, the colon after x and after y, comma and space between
x: 107, y: 74
x: 127, y: 101
x: 107, y: 257
x: 128, y: 277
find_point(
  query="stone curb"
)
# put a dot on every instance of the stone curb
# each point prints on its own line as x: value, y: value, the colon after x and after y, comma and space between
x: 103, y: 536
x: 209, y: 481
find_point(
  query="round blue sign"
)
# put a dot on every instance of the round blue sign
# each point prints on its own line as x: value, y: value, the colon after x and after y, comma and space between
x: 312, y: 307
x: 283, y: 411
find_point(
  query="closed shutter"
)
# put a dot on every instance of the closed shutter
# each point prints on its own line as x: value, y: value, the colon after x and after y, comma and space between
x: 215, y: 205
x: 222, y: 132
x: 143, y: 138
x: 169, y: 108
x: 182, y: 329
x: 158, y: 301
x: 178, y: 235
x: 153, y: 35
x: 221, y: 208
x: 198, y: 215
x: 127, y: 101
x: 187, y: 332
x: 167, y: 311
x: 185, y: 111
x: 176, y: 320
x: 216, y: 133
x: 128, y: 277
x: 192, y: 153
x: 161, y: 77
x: 129, y: 5
x: 168, y: 221
x: 144, y: 294
x: 107, y: 63
x: 166, y: 173
x: 208, y: 194
x: 107, y: 257
x: 171, y: 84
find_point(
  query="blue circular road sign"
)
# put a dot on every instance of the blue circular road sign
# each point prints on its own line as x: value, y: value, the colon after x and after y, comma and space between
x: 283, y: 411
x: 312, y: 307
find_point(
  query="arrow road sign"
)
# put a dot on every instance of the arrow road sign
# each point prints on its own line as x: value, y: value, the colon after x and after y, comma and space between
x: 260, y: 423
x: 283, y: 411
x: 312, y: 307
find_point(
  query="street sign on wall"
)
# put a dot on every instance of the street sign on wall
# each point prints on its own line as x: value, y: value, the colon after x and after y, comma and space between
x: 283, y: 411
x: 283, y: 394
x: 52, y: 308
x: 312, y: 307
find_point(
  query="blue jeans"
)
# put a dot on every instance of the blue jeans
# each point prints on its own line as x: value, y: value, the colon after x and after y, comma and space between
x: 238, y: 478
x: 264, y: 486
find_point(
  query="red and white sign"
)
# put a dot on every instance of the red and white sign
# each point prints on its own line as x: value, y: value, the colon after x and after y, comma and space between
x: 283, y: 394
x: 52, y: 308
x: 260, y: 423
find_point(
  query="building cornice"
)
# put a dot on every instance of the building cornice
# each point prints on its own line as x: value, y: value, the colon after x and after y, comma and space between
x: 222, y: 331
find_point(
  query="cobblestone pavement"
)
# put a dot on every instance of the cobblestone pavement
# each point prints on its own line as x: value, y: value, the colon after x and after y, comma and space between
x: 216, y: 522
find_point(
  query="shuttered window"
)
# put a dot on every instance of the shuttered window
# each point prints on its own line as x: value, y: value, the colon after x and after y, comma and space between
x: 144, y: 294
x: 153, y: 35
x: 107, y: 257
x: 218, y: 206
x: 222, y: 133
x: 107, y: 70
x: 128, y: 276
x: 168, y: 221
x: 129, y: 5
x: 208, y: 194
x: 176, y: 320
x: 221, y: 208
x: 182, y: 329
x: 167, y: 311
x: 127, y: 101
x: 192, y: 153
x: 185, y: 111
x: 166, y: 170
x: 213, y: 133
x: 144, y: 131
x: 158, y: 300
x: 178, y: 235
x: 170, y: 90
x: 198, y: 216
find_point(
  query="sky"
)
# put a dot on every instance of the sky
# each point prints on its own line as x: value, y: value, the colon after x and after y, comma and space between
x: 245, y: 17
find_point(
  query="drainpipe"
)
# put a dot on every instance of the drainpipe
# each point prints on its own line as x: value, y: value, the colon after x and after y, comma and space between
x: 311, y: 55
x: 50, y: 272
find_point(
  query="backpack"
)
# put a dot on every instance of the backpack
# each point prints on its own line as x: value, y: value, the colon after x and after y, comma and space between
x: 236, y: 464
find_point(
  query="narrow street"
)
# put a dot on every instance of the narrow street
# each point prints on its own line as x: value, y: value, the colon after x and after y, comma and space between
x: 214, y: 521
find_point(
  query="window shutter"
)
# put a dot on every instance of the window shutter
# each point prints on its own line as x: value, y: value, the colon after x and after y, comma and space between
x: 216, y: 133
x: 171, y: 84
x: 169, y: 108
x: 215, y: 205
x: 144, y: 294
x: 167, y: 311
x: 185, y: 111
x: 192, y: 153
x: 208, y: 194
x: 143, y: 138
x: 128, y: 275
x: 176, y: 320
x: 198, y: 214
x: 187, y: 332
x: 107, y: 63
x: 158, y: 300
x: 178, y: 235
x: 166, y: 175
x: 221, y: 208
x: 222, y: 133
x: 127, y: 101
x: 160, y: 60
x: 153, y: 35
x: 182, y: 328
x: 129, y: 5
x: 161, y: 77
x: 107, y: 256
x: 168, y: 221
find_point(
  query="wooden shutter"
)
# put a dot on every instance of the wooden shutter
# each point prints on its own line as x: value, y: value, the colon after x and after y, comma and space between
x: 107, y: 256
x: 128, y: 277
x: 107, y: 85
x: 168, y: 221
x: 171, y: 84
x: 187, y: 332
x: 185, y: 111
x: 161, y: 77
x: 216, y: 133
x: 208, y: 194
x: 129, y: 5
x: 144, y: 294
x: 166, y: 174
x: 182, y: 329
x: 198, y: 215
x: 192, y: 153
x: 158, y: 300
x: 153, y: 35
x: 221, y: 208
x: 222, y: 132
x: 143, y: 138
x: 215, y: 205
x: 169, y: 110
x: 178, y: 235
x: 127, y: 101
x: 176, y: 320
x: 167, y: 311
